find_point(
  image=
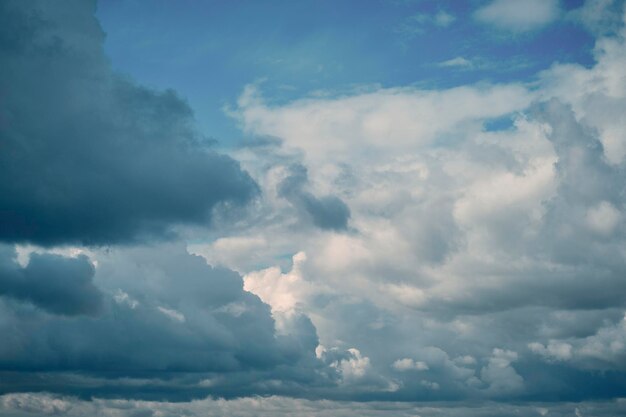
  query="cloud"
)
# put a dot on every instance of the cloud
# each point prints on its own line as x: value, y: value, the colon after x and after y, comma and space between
x: 386, y: 121
x: 37, y: 404
x: 517, y: 16
x: 408, y: 364
x: 604, y: 350
x: 162, y: 312
x: 603, y: 218
x: 54, y: 283
x: 474, y: 262
x: 354, y: 372
x: 600, y: 17
x: 553, y: 351
x: 597, y: 95
x: 459, y: 61
x: 500, y: 375
x: 443, y: 18
x: 89, y: 156
x: 283, y: 292
x: 353, y: 367
x: 327, y: 212
x: 494, y: 255
x: 420, y: 22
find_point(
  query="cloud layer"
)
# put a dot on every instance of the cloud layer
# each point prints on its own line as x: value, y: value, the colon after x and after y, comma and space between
x: 23, y: 405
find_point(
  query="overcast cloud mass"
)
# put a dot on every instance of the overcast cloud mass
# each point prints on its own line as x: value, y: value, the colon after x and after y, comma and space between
x: 313, y: 208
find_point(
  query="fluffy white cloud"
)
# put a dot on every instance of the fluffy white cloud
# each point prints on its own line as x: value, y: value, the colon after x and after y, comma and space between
x: 608, y: 345
x: 598, y: 94
x: 283, y: 292
x: 605, y: 349
x: 354, y: 367
x: 553, y: 351
x: 408, y: 364
x: 386, y: 121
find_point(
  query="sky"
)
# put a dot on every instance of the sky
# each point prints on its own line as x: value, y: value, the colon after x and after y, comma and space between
x: 313, y: 208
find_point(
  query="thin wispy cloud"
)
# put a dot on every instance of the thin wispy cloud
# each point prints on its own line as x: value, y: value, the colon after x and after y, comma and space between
x: 421, y: 22
x: 459, y: 61
x: 518, y: 16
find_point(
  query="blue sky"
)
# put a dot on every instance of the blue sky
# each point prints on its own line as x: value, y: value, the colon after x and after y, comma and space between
x: 325, y: 208
x: 208, y: 50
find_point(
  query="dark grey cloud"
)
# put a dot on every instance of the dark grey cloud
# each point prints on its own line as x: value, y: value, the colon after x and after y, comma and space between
x: 88, y: 156
x: 326, y: 212
x: 53, y: 283
x: 168, y: 321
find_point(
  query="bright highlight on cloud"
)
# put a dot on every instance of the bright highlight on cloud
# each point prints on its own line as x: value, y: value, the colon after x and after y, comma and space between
x: 432, y: 246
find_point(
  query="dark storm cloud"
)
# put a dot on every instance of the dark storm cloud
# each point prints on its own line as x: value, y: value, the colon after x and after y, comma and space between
x: 169, y: 321
x: 86, y: 155
x: 326, y: 212
x: 53, y: 283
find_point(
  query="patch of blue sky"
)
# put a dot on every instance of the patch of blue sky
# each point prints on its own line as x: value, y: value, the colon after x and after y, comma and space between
x: 505, y: 122
x: 208, y: 51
